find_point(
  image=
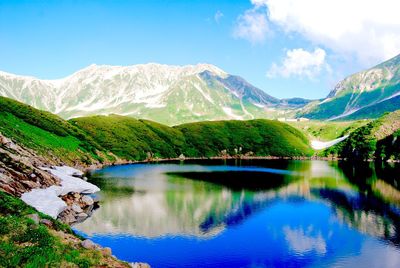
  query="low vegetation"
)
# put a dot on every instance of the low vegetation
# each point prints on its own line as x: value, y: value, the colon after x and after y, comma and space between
x: 46, y: 133
x: 255, y: 137
x: 375, y: 140
x: 137, y: 139
x: 100, y: 138
x: 327, y: 130
x: 26, y: 243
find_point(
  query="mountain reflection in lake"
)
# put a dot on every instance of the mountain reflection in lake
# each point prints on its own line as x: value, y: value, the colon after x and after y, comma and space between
x: 249, y: 213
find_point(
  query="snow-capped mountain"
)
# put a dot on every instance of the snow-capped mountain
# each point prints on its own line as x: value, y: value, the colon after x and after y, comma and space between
x: 163, y: 93
x: 367, y: 94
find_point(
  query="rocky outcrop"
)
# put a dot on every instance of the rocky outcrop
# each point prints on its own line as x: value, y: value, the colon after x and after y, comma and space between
x: 20, y: 169
x: 79, y: 208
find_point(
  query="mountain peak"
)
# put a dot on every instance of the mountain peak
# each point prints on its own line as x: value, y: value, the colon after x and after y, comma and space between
x: 153, y: 68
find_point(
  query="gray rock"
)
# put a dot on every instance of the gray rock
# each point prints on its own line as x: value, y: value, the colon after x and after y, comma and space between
x: 81, y: 216
x: 46, y: 222
x: 106, y: 251
x: 139, y: 265
x: 33, y: 175
x: 76, y: 208
x: 35, y: 217
x: 68, y: 218
x: 88, y: 244
x: 87, y: 200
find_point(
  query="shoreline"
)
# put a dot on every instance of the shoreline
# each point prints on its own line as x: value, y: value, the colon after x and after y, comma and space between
x: 156, y: 160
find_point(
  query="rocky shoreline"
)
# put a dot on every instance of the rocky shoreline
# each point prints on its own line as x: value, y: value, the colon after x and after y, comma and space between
x: 69, y: 197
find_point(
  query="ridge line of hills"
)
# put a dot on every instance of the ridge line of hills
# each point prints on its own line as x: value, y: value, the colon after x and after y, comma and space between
x: 174, y: 95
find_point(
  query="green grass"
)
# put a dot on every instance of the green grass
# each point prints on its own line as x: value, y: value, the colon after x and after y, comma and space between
x: 26, y: 244
x: 131, y: 138
x: 262, y: 137
x: 46, y: 133
x: 90, y: 139
x: 375, y: 140
x: 327, y: 130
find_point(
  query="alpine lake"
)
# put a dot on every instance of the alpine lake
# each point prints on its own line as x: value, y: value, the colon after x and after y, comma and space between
x: 249, y: 213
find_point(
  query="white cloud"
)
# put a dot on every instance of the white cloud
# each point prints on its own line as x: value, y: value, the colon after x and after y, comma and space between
x: 302, y: 242
x: 299, y: 62
x: 252, y: 26
x: 366, y: 29
x: 218, y: 16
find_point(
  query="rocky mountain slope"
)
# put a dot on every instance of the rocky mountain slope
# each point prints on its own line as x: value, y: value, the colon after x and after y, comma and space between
x: 375, y: 140
x: 367, y: 94
x: 166, y: 94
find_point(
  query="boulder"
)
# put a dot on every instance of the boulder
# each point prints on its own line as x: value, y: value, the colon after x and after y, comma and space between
x: 81, y: 216
x: 68, y: 218
x: 35, y: 217
x: 106, y: 251
x: 87, y: 200
x: 75, y: 207
x: 88, y: 244
x: 46, y: 222
x: 139, y: 265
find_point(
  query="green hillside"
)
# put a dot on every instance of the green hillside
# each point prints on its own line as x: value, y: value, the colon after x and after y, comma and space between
x: 45, y: 133
x: 375, y: 140
x: 98, y: 138
x: 135, y: 139
x: 327, y: 130
x: 261, y: 137
x: 367, y: 94
x: 130, y: 138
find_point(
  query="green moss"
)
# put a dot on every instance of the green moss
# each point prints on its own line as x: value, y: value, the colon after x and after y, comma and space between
x: 25, y: 244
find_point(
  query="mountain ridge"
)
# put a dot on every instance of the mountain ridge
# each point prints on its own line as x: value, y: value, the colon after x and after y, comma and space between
x: 159, y: 92
x: 365, y: 94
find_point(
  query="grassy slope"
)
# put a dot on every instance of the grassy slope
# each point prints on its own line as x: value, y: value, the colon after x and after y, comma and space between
x: 46, y: 133
x: 132, y: 139
x: 87, y: 140
x: 325, y: 131
x: 377, y: 139
x: 25, y: 244
x: 262, y: 137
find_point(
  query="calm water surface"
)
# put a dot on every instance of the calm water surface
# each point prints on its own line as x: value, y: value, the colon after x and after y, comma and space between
x: 249, y: 214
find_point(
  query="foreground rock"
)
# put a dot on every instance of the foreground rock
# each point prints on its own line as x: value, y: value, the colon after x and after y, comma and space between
x: 48, y: 200
x: 139, y: 265
x: 51, y: 189
x: 19, y: 169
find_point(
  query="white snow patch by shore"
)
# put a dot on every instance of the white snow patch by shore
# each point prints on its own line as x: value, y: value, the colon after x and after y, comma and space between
x: 320, y: 145
x: 48, y: 201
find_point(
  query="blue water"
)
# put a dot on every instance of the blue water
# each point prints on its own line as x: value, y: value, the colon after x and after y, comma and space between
x: 204, y: 214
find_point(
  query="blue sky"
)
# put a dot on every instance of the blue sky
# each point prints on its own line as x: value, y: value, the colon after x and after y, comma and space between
x: 276, y: 48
